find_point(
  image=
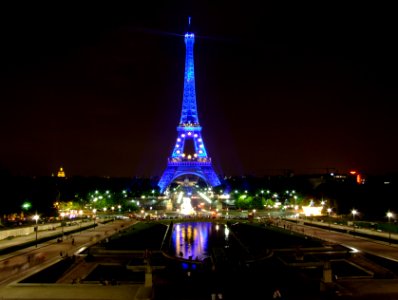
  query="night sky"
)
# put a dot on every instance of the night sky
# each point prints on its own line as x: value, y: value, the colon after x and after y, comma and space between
x: 98, y: 89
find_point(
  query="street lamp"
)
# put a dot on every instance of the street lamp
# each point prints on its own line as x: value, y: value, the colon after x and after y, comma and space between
x: 81, y: 220
x: 36, y: 217
x: 62, y: 224
x: 389, y: 216
x: 94, y: 211
x: 329, y: 210
x: 26, y: 205
x: 354, y: 212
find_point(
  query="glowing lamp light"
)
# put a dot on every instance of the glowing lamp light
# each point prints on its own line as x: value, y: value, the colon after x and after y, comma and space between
x: 180, y: 195
x: 226, y: 232
x: 189, y: 156
x: 186, y: 206
x: 199, y: 140
x: 189, y: 133
x: 204, y: 197
x: 178, y: 140
x: 177, y: 145
x: 353, y: 172
x: 182, y: 135
x: 26, y: 205
x: 196, y: 155
x: 312, y: 210
x: 195, y: 135
x: 200, y: 151
x: 178, y: 151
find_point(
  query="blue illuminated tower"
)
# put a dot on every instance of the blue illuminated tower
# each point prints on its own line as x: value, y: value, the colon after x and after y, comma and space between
x: 189, y: 155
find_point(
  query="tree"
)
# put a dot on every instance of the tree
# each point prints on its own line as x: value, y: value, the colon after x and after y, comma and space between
x: 258, y: 202
x: 244, y: 202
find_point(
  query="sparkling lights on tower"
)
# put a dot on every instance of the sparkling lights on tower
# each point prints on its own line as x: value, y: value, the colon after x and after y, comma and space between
x: 189, y: 155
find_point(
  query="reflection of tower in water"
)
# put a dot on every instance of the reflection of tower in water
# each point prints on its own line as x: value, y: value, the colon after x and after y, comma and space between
x: 191, y: 241
x: 191, y: 234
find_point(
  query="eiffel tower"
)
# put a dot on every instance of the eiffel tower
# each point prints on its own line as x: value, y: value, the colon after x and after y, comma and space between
x: 189, y: 156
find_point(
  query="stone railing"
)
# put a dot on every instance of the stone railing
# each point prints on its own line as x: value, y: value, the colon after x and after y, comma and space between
x: 23, y: 231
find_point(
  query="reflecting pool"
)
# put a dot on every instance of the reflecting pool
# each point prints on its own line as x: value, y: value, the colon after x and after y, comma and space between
x: 194, y: 240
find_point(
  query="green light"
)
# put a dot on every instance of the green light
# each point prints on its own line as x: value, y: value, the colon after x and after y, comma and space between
x: 26, y: 205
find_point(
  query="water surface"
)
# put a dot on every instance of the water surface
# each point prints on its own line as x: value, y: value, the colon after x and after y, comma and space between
x: 195, y: 240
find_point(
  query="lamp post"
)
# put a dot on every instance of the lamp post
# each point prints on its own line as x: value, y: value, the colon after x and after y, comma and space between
x: 389, y: 216
x: 354, y: 212
x: 94, y: 211
x: 81, y: 220
x: 36, y: 217
x: 329, y: 210
x: 62, y: 224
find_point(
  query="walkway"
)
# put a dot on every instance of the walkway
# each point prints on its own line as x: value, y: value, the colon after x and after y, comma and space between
x: 364, y: 244
x: 20, y: 263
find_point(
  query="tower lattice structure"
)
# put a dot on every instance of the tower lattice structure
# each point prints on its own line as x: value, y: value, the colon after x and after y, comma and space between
x: 189, y: 155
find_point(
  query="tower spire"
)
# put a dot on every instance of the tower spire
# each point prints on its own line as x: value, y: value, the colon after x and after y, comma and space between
x: 189, y: 112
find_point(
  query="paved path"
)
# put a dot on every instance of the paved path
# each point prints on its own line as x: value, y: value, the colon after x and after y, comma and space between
x: 20, y: 263
x: 7, y: 243
x: 363, y: 244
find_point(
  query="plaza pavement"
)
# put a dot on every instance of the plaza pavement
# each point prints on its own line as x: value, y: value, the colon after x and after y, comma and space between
x: 363, y: 289
x: 367, y: 244
x: 22, y: 263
